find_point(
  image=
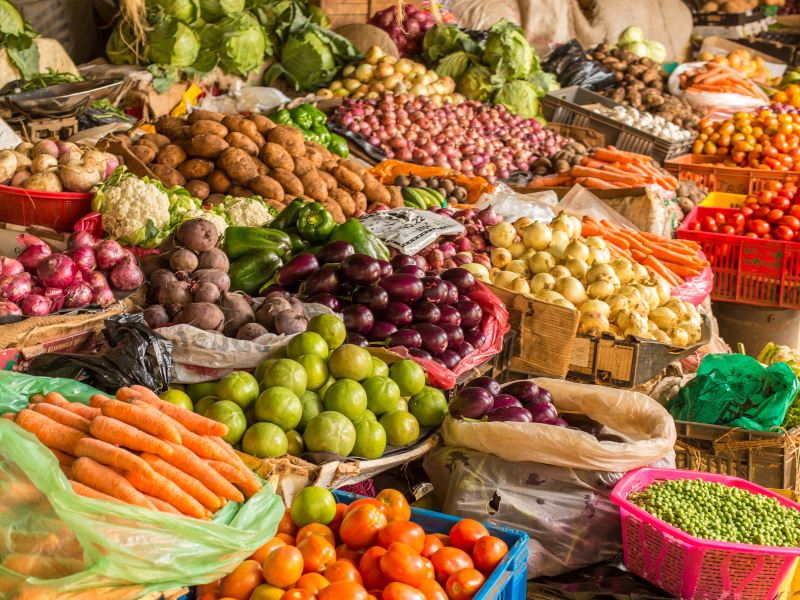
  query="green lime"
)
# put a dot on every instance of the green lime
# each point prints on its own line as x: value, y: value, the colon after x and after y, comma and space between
x: 316, y: 370
x: 287, y: 373
x: 330, y: 327
x: 178, y: 398
x: 279, y: 405
x: 239, y: 387
x: 402, y: 428
x: 312, y: 406
x: 295, y: 442
x: 429, y: 406
x: 307, y: 342
x: 177, y: 386
x: 279, y: 352
x: 368, y: 415
x: 197, y: 391
x: 382, y: 394
x: 203, y: 403
x: 347, y: 397
x: 350, y: 362
x: 313, y: 505
x: 379, y: 367
x: 330, y: 431
x: 264, y: 440
x: 409, y: 376
x: 328, y: 383
x: 262, y: 368
x: 230, y: 414
x: 370, y: 440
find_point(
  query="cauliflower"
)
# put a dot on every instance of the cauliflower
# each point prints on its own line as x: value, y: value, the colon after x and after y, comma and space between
x: 199, y: 213
x: 134, y: 211
x: 247, y: 212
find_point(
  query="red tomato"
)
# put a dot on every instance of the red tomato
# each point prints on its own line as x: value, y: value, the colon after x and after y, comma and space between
x: 432, y: 590
x: 747, y: 211
x: 695, y: 226
x: 360, y: 527
x: 736, y: 220
x: 489, y: 550
x: 465, y: 533
x: 765, y: 196
x: 464, y: 584
x: 783, y: 233
x: 781, y: 203
x: 794, y: 210
x: 775, y: 215
x: 402, y: 531
x: 448, y: 560
x: 727, y: 230
x: 432, y: 544
x: 370, y: 569
x: 791, y: 222
x: 750, y: 234
x: 396, y: 506
x: 404, y: 564
x: 761, y: 212
x: 401, y: 591
x: 758, y: 227
x: 720, y: 218
x: 708, y: 223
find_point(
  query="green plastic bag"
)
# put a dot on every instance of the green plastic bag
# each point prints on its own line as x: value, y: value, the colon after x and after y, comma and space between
x: 17, y: 388
x: 735, y: 390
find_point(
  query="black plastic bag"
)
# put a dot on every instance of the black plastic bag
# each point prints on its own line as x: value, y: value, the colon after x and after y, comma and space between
x: 571, y: 67
x: 136, y: 355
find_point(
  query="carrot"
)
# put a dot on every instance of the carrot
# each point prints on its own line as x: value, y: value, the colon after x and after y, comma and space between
x: 187, y: 483
x: 610, y: 155
x: 108, y: 481
x: 9, y: 415
x: 87, y: 412
x: 39, y: 542
x: 163, y: 488
x: 36, y: 398
x: 63, y: 416
x: 163, y: 506
x: 189, y: 463
x: 44, y: 567
x: 588, y: 228
x: 633, y: 241
x: 192, y: 421
x: 236, y: 461
x: 98, y: 400
x: 231, y: 473
x: 48, y: 431
x: 126, y: 394
x: 682, y: 270
x: 66, y: 470
x: 112, y: 456
x: 63, y: 457
x: 655, y: 264
x: 594, y: 182
x: 116, y: 432
x: 147, y: 421
x: 88, y: 492
x: 579, y: 171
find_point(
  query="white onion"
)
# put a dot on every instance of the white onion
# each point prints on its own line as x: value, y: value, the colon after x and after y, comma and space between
x: 577, y: 249
x: 597, y: 306
x: 571, y: 289
x: 541, y: 282
x: 549, y: 296
x: 617, y: 303
x: 559, y: 272
x: 503, y: 279
x: 593, y: 323
x: 537, y: 236
x: 600, y: 289
x: 678, y: 336
x: 517, y: 266
x: 640, y: 274
x: 500, y: 257
x: 576, y: 267
x: 541, y: 262
x: 663, y: 317
x: 563, y: 302
x: 559, y: 238
x: 520, y: 286
x: 516, y: 249
x: 602, y: 271
x: 623, y: 268
x: 596, y: 242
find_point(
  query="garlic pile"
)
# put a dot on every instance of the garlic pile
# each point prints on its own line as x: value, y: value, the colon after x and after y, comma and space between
x: 652, y: 124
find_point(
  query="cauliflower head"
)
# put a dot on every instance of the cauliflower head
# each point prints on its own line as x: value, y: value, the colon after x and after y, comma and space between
x: 199, y: 213
x: 247, y: 212
x: 134, y: 212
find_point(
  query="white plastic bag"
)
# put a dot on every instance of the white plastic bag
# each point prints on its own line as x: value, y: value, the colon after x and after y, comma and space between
x: 410, y: 229
x: 713, y: 102
x: 511, y: 205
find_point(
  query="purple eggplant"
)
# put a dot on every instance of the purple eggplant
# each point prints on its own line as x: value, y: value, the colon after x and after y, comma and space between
x: 449, y: 314
x: 411, y: 270
x: 434, y: 339
x: 504, y: 400
x: 373, y: 296
x: 450, y: 358
x: 328, y: 300
x: 510, y: 413
x: 356, y: 339
x: 582, y: 422
x: 461, y: 278
x: 361, y: 269
x: 324, y: 280
x: 386, y: 267
x: 545, y: 395
x: 334, y: 252
x: 426, y: 312
x: 434, y: 290
x: 471, y: 313
x: 543, y: 412
x: 487, y: 383
x: 526, y: 392
x: 455, y: 335
x: 358, y: 318
x: 452, y: 292
x: 464, y: 349
x: 475, y: 337
x: 399, y: 313
x: 562, y: 423
x: 408, y: 338
x: 297, y: 269
x: 401, y: 260
x: 380, y: 331
x: 471, y: 403
x: 420, y: 353
x: 403, y: 288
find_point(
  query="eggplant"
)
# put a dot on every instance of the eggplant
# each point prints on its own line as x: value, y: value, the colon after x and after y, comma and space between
x: 373, y: 296
x: 398, y: 313
x: 297, y: 269
x: 452, y: 292
x: 526, y: 392
x: 324, y: 280
x: 361, y: 269
x: 328, y: 300
x: 356, y: 339
x: 449, y: 314
x: 402, y: 287
x: 542, y: 412
x: 471, y: 403
x: 461, y: 278
x: 358, y: 318
x: 510, y: 413
x: 464, y: 349
x: 334, y: 252
x: 401, y: 260
x: 504, y: 400
x: 386, y: 267
x: 455, y: 335
x: 426, y: 312
x: 450, y: 358
x: 471, y: 313
x: 420, y: 353
x: 407, y: 338
x: 434, y: 290
x: 411, y: 270
x: 434, y: 339
x: 380, y: 331
x: 487, y: 383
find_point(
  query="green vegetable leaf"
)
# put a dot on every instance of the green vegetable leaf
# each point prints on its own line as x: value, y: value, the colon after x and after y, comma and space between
x: 24, y: 53
x: 477, y: 83
x: 508, y: 53
x: 311, y: 57
x: 455, y: 64
x: 214, y: 10
x: 11, y: 22
x: 163, y: 77
x: 520, y: 98
x: 443, y: 40
x: 173, y: 43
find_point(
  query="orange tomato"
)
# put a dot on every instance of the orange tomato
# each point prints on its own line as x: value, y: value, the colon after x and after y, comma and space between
x: 397, y: 507
x: 313, y: 582
x: 208, y: 591
x: 402, y: 531
x: 360, y: 527
x: 370, y: 568
x: 432, y: 544
x: 289, y: 539
x: 297, y: 594
x: 430, y: 572
x: 465, y: 533
x: 448, y: 560
x: 267, y: 592
x: 317, y: 553
x: 445, y: 539
x: 343, y: 570
x: 404, y: 564
x: 364, y: 501
x: 343, y: 590
x: 345, y: 552
x: 432, y: 590
x: 283, y: 567
x: 401, y: 591
x: 262, y: 553
x: 337, y: 518
x: 464, y: 584
x: 488, y: 552
x: 286, y: 525
x: 242, y: 581
x: 315, y: 529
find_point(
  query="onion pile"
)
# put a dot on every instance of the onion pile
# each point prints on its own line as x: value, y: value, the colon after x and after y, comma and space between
x: 469, y: 247
x: 408, y: 32
x: 520, y: 401
x: 471, y: 137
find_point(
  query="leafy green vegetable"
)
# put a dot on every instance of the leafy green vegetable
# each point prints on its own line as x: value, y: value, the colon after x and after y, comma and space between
x: 279, y: 18
x: 173, y: 43
x: 123, y: 48
x: 544, y: 81
x: 455, y: 64
x: 442, y: 40
x: 38, y: 81
x: 476, y: 83
x: 214, y: 10
x: 630, y: 35
x: 520, y: 98
x: 508, y: 53
x: 318, y: 16
x: 17, y: 37
x: 243, y: 44
x: 210, y: 41
x: 164, y: 77
x: 187, y: 11
x: 11, y: 22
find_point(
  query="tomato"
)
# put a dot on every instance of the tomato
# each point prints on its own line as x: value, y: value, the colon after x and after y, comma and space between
x: 750, y: 234
x: 396, y: 505
x: 490, y: 550
x: 337, y: 518
x: 361, y: 502
x: 286, y: 525
x: 791, y: 222
x: 283, y: 567
x: 288, y: 539
x: 313, y: 582
x: 765, y: 196
x: 761, y: 212
x: 695, y: 226
x: 720, y: 218
x: 448, y: 560
x: 432, y: 590
x: 343, y: 590
x: 736, y: 220
x: 402, y: 591
x: 298, y: 594
x: 343, y: 570
x: 262, y: 553
x: 430, y: 572
x: 360, y: 527
x: 464, y: 584
x: 465, y: 533
x: 432, y: 544
x: 315, y: 529
x: 370, y: 569
x: 758, y: 227
x: 794, y: 210
x: 746, y: 211
x: 404, y: 564
x: 783, y: 233
x: 208, y: 591
x: 781, y: 203
x: 317, y: 553
x: 345, y: 552
x: 774, y: 215
x: 727, y: 230
x: 242, y: 581
x: 402, y: 531
x: 708, y: 223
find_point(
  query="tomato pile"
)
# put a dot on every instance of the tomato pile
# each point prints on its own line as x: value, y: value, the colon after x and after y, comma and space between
x: 367, y: 550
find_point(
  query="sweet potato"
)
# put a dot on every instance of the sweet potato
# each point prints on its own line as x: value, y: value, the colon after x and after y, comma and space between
x: 263, y: 124
x: 206, y: 146
x: 313, y: 186
x: 267, y: 188
x: 170, y: 155
x: 237, y: 165
x: 218, y: 182
x: 156, y: 138
x: 200, y: 115
x: 289, y: 137
x: 240, y: 140
x: 204, y: 127
x: 289, y: 182
x: 144, y: 152
x: 198, y: 188
x: 168, y: 175
x: 347, y: 178
x: 303, y: 165
x: 276, y: 156
x: 196, y: 168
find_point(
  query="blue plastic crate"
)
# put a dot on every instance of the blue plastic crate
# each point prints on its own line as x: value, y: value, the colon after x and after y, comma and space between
x: 507, y: 582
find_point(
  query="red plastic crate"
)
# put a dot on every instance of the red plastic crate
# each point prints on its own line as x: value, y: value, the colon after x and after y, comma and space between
x: 747, y: 270
x: 709, y: 172
x: 56, y: 210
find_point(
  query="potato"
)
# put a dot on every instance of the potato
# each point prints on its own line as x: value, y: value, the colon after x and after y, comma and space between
x: 218, y: 182
x: 169, y: 176
x: 289, y: 137
x: 166, y: 124
x: 329, y: 165
x: 361, y: 202
x: 396, y: 195
x: 171, y: 155
x: 199, y: 189
x: 196, y: 168
x: 204, y: 115
x: 336, y: 211
x: 347, y: 178
x: 344, y: 201
x: 326, y: 154
x: 206, y: 146
x: 315, y: 156
x: 356, y: 168
x: 263, y: 124
x: 148, y: 143
x: 276, y: 204
x: 214, y: 199
x: 262, y: 168
x: 267, y: 188
x: 240, y: 140
x: 290, y: 183
x: 302, y: 166
x: 313, y: 186
x: 276, y: 156
x: 204, y: 126
x: 158, y: 139
x: 240, y: 191
x: 374, y: 190
x: 238, y: 165
x: 330, y: 180
x: 240, y: 124
x: 124, y: 139
x: 144, y: 152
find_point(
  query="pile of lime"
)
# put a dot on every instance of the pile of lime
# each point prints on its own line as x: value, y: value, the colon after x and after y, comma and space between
x: 322, y: 396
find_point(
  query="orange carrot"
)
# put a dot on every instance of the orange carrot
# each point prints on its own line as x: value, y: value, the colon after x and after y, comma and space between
x: 98, y: 400
x: 87, y: 412
x: 114, y: 431
x: 655, y: 264
x: 187, y: 483
x: 36, y: 398
x: 189, y: 463
x: 63, y: 457
x: 63, y: 416
x: 163, y: 488
x: 579, y: 171
x: 89, y: 492
x: 66, y: 470
x: 231, y: 473
x: 44, y: 567
x: 588, y: 228
x: 112, y: 456
x: 48, y: 431
x: 594, y: 182
x: 235, y: 461
x: 610, y: 155
x: 162, y: 506
x: 192, y: 421
x: 107, y: 481
x: 126, y: 394
x: 148, y: 421
x: 681, y: 269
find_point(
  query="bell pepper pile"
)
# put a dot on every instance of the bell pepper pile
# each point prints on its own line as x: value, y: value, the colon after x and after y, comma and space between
x: 256, y: 253
x: 311, y: 121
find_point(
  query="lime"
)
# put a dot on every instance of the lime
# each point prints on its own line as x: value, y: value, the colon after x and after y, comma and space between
x: 177, y: 386
x: 295, y: 442
x: 379, y: 367
x: 368, y: 415
x: 313, y: 505
x: 316, y: 370
x: 264, y: 440
x: 312, y: 406
x: 307, y: 342
x: 203, y: 403
x: 328, y: 383
x: 262, y: 368
x: 239, y: 387
x: 230, y: 414
x: 351, y: 362
x: 409, y: 376
x: 401, y: 428
x: 286, y: 373
x: 178, y: 398
x: 429, y: 406
x: 280, y: 406
x: 330, y: 327
x: 330, y: 432
x: 197, y: 391
x: 250, y: 414
x: 347, y: 397
x: 370, y: 440
x: 382, y: 394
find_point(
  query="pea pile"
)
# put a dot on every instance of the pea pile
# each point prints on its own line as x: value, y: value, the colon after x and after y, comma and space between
x: 714, y: 511
x: 450, y: 190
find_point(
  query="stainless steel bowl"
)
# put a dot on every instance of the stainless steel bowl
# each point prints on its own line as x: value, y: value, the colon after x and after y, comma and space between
x: 64, y: 99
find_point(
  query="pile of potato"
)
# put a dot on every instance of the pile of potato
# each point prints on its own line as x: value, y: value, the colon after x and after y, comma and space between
x: 214, y: 155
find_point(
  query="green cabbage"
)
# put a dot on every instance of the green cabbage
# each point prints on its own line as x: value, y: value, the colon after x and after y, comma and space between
x: 520, y: 98
x: 318, y: 16
x: 454, y: 65
x: 656, y: 51
x: 508, y: 53
x: 214, y: 10
x: 210, y: 41
x: 242, y: 46
x: 122, y: 48
x: 476, y: 83
x: 11, y: 22
x: 637, y: 48
x: 631, y: 35
x: 172, y: 43
x: 187, y: 11
x: 442, y: 40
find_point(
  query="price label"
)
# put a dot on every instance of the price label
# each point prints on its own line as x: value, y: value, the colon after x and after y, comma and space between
x: 410, y: 230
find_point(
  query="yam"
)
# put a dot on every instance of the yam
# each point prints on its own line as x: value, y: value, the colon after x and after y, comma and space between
x: 196, y: 168
x: 156, y: 138
x: 345, y: 201
x: 330, y: 180
x: 219, y: 182
x: 144, y: 152
x: 374, y: 190
x: 240, y: 140
x: 206, y: 146
x: 313, y: 186
x: 267, y: 188
x: 240, y: 124
x: 302, y: 165
x: 236, y: 163
x: 204, y: 115
x: 171, y: 155
x: 263, y: 124
x: 289, y: 182
x: 204, y: 127
x: 276, y: 156
x: 198, y: 188
x: 169, y: 176
x: 289, y: 137
x: 347, y: 178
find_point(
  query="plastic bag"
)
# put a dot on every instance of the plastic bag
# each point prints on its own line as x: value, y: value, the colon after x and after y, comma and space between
x: 137, y: 355
x: 17, y: 388
x: 721, y: 104
x: 737, y: 391
x: 410, y: 230
x: 696, y: 289
x: 55, y: 544
x: 571, y: 67
x: 511, y: 205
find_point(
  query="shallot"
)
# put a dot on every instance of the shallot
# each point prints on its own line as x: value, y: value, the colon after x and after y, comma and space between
x: 9, y: 308
x: 35, y: 305
x: 104, y: 297
x: 57, y: 270
x: 35, y: 251
x: 127, y: 275
x: 78, y: 295
x: 108, y: 253
x: 84, y: 258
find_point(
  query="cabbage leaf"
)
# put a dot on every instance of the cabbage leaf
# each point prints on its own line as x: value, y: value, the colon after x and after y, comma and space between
x: 214, y: 10
x: 520, y: 98
x: 172, y: 43
x: 508, y: 53
x: 476, y: 83
x: 455, y: 64
x: 443, y: 40
x: 242, y: 44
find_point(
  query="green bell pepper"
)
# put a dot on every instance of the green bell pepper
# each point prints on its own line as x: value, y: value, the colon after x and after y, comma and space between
x: 315, y: 223
x: 302, y: 117
x: 319, y: 117
x: 338, y: 145
x: 282, y: 117
x: 323, y: 134
x: 239, y: 241
x: 287, y: 218
x: 298, y: 243
x: 253, y: 270
x: 361, y: 238
x: 310, y: 135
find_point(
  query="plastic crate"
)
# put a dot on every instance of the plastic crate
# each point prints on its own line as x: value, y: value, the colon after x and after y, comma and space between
x: 691, y: 568
x: 709, y: 172
x: 508, y: 580
x: 56, y: 210
x: 567, y: 106
x: 723, y: 200
x: 747, y: 270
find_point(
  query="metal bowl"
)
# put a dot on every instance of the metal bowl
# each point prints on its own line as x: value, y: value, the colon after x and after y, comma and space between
x: 64, y: 99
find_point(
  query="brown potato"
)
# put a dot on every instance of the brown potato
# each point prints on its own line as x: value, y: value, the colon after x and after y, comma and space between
x: 361, y: 203
x: 315, y: 156
x: 263, y: 124
x: 240, y: 191
x: 267, y: 188
x: 206, y: 146
x: 158, y: 139
x: 169, y: 176
x: 238, y: 165
x: 196, y: 168
x: 166, y: 124
x: 124, y: 139
x: 262, y: 168
x: 289, y: 137
x: 347, y: 178
x: 302, y: 166
x: 344, y: 200
x: 276, y: 157
x: 204, y: 115
x: 356, y: 168
x: 336, y: 210
x: 374, y: 190
x: 240, y: 140
x: 313, y: 186
x: 276, y: 204
x: 199, y: 189
x: 242, y: 125
x: 329, y: 165
x: 214, y: 199
x: 148, y: 143
x: 144, y: 152
x: 396, y: 196
x: 171, y: 155
x: 330, y: 180
x: 204, y: 126
x: 290, y: 183
x: 326, y: 154
x: 218, y: 182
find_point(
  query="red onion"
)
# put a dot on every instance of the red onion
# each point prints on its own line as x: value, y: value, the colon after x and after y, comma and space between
x: 78, y: 295
x: 84, y: 258
x: 33, y: 254
x: 127, y: 275
x: 112, y: 162
x: 108, y: 253
x: 57, y: 270
x: 35, y: 305
x: 10, y: 266
x: 9, y: 308
x: 56, y: 298
x: 81, y: 239
x: 104, y: 297
x: 96, y: 280
x: 16, y: 287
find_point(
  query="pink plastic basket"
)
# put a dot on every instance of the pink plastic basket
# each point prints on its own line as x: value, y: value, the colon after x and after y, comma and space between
x: 694, y: 569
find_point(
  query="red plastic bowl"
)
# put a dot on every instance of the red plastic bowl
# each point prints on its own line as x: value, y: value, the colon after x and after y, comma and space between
x: 56, y: 210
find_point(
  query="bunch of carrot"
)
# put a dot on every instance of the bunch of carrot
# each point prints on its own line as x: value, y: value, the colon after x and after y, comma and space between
x: 674, y: 260
x: 720, y: 79
x: 609, y: 168
x: 141, y: 450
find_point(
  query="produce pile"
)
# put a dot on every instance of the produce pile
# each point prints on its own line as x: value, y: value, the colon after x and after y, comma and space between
x: 311, y: 121
x: 718, y: 78
x: 744, y: 61
x: 450, y: 191
x: 521, y: 401
x: 633, y: 40
x: 655, y: 125
x: 773, y: 353
x: 407, y: 30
